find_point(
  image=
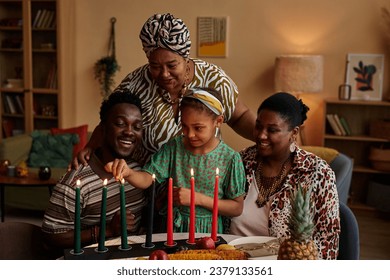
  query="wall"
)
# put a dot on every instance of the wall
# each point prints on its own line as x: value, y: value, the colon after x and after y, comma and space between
x: 259, y: 30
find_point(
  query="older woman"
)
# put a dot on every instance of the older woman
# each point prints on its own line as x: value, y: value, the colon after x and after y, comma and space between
x: 161, y: 83
x: 275, y: 166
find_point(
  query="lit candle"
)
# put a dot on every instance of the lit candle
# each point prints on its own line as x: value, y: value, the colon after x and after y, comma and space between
x: 214, y: 225
x: 148, y: 243
x: 102, y: 233
x: 124, y: 244
x: 170, y: 213
x: 77, y: 222
x: 191, y: 236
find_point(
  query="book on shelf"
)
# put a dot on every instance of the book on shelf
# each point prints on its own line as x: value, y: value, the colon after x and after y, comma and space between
x: 51, y: 22
x: 51, y: 81
x: 333, y: 124
x: 37, y: 17
x: 19, y: 103
x: 341, y: 127
x: 6, y: 109
x: 48, y: 19
x: 42, y: 16
x: 11, y: 105
x: 8, y: 127
x: 346, y: 126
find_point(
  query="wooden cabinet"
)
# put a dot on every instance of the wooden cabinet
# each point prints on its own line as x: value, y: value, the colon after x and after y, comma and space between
x: 359, y: 115
x: 28, y: 66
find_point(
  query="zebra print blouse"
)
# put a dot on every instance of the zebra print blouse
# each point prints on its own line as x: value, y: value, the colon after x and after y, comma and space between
x: 159, y: 120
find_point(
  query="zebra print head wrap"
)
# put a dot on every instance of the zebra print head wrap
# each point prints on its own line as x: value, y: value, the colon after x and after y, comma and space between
x: 165, y: 31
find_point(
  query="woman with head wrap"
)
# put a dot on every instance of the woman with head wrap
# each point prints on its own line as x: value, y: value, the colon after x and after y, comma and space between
x: 199, y: 148
x: 274, y: 168
x: 162, y: 82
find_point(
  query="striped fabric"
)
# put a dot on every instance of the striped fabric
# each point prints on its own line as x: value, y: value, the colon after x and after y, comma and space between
x: 167, y: 32
x: 59, y: 216
x: 159, y: 119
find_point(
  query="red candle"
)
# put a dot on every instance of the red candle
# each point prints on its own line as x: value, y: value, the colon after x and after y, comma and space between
x: 170, y: 213
x: 214, y: 225
x: 191, y: 236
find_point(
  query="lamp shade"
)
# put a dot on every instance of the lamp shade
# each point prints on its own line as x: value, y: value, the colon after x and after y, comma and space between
x: 299, y: 73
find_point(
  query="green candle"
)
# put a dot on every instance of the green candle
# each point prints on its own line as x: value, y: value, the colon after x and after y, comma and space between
x: 124, y: 244
x: 77, y: 223
x: 102, y: 233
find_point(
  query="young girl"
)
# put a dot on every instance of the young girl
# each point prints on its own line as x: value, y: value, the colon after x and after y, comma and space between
x: 201, y: 149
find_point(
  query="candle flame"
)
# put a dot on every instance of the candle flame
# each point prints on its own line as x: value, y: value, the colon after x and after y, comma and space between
x: 78, y: 182
x: 105, y: 182
x: 217, y: 171
x: 154, y: 176
x: 122, y: 181
x: 192, y: 172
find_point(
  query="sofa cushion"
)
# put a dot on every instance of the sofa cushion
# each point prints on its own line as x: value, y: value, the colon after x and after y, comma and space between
x: 51, y: 150
x: 16, y: 148
x: 327, y: 154
x: 82, y: 132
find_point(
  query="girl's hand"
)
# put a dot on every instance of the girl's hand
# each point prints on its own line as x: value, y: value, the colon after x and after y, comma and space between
x: 181, y: 196
x: 118, y: 168
x: 81, y: 158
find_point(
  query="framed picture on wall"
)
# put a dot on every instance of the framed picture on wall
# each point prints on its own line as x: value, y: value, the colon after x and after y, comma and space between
x: 364, y: 74
x: 212, y: 36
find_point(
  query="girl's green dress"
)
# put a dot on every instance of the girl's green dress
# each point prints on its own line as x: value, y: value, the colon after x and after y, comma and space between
x: 173, y: 160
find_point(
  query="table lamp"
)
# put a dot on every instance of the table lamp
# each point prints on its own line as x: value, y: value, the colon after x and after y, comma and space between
x: 297, y: 74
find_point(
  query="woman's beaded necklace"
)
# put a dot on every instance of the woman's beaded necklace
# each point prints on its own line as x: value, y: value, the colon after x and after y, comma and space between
x: 268, y: 186
x: 167, y: 97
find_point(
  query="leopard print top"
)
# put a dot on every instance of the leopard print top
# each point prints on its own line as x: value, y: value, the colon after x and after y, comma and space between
x: 310, y: 171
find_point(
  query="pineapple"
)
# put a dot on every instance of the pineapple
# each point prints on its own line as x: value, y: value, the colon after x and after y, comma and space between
x: 300, y: 244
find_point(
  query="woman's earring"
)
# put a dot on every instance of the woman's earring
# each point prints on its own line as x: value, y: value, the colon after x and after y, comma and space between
x: 216, y: 132
x: 292, y: 147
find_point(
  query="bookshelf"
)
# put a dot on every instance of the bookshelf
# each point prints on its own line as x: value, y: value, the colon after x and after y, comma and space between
x: 358, y: 115
x: 29, y: 55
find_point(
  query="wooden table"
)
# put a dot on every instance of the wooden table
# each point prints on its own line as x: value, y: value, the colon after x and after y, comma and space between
x: 31, y: 180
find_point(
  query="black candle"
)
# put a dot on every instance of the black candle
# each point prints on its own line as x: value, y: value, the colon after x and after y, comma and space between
x: 124, y: 244
x: 77, y: 221
x: 102, y: 233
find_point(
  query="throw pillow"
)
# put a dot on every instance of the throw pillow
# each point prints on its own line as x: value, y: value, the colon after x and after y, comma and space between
x: 327, y: 154
x: 51, y: 150
x: 82, y: 131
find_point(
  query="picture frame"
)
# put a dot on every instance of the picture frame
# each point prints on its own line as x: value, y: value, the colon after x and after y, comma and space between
x: 212, y: 36
x: 364, y: 73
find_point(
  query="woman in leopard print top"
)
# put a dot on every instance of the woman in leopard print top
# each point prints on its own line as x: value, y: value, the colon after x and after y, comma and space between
x: 274, y: 168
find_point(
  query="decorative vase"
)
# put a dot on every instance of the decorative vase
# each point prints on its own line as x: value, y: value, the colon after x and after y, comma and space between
x: 44, y: 173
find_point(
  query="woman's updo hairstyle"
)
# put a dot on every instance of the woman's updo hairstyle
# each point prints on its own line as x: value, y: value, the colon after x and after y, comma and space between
x: 287, y: 106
